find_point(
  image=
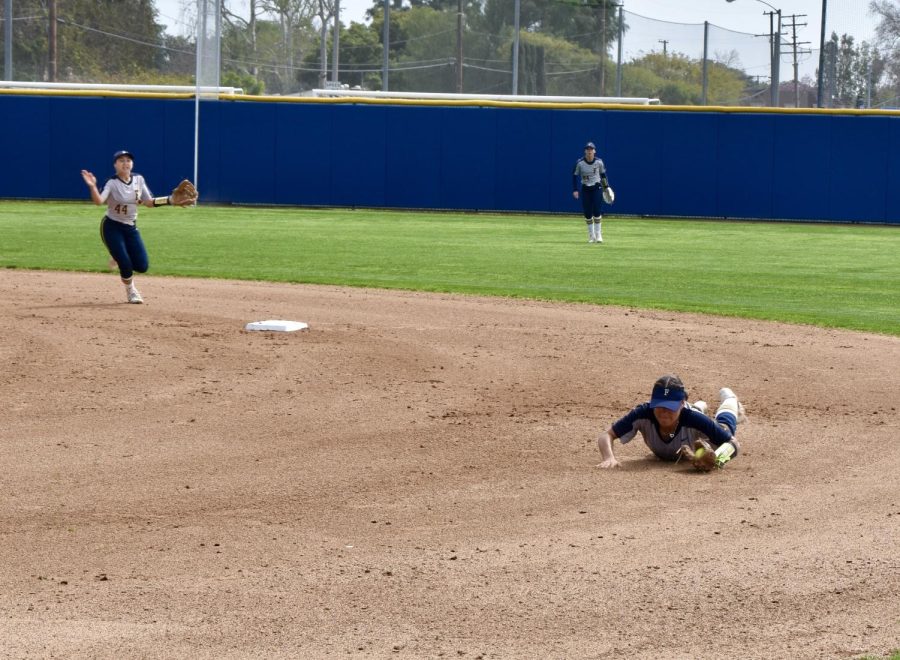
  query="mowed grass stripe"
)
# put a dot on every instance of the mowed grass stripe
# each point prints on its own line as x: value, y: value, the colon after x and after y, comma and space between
x: 844, y: 276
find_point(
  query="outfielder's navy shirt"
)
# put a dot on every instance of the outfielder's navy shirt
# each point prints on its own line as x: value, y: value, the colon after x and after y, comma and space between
x: 691, y: 425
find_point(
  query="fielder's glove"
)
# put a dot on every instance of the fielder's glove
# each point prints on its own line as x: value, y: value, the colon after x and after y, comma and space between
x: 609, y: 196
x: 184, y: 194
x: 702, y: 455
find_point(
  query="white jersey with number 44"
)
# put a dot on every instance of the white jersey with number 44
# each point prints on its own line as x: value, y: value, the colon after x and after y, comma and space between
x: 122, y: 198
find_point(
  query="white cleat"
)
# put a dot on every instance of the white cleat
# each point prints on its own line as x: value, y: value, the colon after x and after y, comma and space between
x: 134, y: 296
x: 730, y: 402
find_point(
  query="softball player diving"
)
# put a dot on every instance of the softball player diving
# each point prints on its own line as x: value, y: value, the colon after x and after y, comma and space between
x: 594, y: 185
x: 122, y: 194
x: 673, y: 428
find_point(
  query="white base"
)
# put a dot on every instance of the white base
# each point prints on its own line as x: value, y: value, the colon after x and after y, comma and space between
x: 277, y: 326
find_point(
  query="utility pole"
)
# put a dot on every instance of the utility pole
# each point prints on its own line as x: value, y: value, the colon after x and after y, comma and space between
x: 459, y: 46
x: 775, y: 53
x: 793, y: 25
x: 774, y: 50
x: 52, y: 42
x: 664, y: 42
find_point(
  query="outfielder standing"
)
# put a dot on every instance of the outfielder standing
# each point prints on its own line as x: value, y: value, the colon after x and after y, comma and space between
x: 122, y: 194
x: 592, y: 174
x: 673, y: 428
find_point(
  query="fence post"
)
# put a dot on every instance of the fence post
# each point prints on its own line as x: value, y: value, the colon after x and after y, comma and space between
x: 386, y: 38
x: 619, y: 55
x: 705, y: 63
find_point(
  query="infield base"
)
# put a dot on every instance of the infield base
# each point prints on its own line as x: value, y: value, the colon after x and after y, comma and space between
x: 277, y: 326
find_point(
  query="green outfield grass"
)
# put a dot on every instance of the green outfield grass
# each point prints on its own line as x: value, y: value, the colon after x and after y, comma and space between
x: 845, y: 276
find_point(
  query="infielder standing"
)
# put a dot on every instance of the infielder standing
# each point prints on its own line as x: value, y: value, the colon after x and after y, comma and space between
x: 671, y: 427
x: 592, y: 174
x: 122, y: 194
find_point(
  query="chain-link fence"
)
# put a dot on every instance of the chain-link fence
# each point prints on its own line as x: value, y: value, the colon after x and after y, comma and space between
x: 582, y: 48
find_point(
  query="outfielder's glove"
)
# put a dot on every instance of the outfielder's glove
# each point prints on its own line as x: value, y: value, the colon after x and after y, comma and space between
x: 184, y: 194
x: 609, y: 196
x: 702, y: 455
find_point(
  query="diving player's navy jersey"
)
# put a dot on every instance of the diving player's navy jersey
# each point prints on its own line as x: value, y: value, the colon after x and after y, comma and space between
x: 691, y: 425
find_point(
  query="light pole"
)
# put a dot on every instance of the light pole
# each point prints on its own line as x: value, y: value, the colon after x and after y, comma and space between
x: 774, y: 49
x: 820, y: 100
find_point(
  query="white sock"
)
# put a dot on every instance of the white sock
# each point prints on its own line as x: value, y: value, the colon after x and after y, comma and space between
x: 597, y: 233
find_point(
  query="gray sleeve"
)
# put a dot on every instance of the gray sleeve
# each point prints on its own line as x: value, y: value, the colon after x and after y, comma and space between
x: 628, y: 437
x: 146, y: 195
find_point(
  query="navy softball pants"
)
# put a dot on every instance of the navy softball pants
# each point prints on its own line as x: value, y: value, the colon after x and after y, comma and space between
x: 125, y: 246
x: 591, y: 196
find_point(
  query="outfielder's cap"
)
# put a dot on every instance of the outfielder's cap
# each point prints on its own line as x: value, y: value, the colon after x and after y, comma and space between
x: 123, y: 152
x: 668, y: 392
x: 590, y: 145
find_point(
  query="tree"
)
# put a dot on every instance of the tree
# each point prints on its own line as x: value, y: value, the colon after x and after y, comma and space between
x: 248, y: 83
x: 556, y: 67
x: 179, y: 58
x: 676, y: 79
x: 96, y: 40
x: 244, y: 32
x: 360, y: 49
x: 426, y: 57
x: 293, y: 16
x: 887, y: 35
x: 851, y: 72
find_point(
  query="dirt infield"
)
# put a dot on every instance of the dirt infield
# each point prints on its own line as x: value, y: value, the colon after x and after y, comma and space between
x: 415, y: 476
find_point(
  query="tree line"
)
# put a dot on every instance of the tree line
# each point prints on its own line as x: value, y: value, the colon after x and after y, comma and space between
x: 566, y: 47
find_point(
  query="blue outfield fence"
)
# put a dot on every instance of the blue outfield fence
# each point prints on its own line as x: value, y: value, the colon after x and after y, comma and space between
x: 661, y: 161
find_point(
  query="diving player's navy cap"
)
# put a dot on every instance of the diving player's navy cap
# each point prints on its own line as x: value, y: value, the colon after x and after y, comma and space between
x: 590, y: 145
x: 123, y: 152
x: 668, y: 392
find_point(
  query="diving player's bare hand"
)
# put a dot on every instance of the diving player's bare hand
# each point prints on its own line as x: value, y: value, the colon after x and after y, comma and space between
x: 609, y: 463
